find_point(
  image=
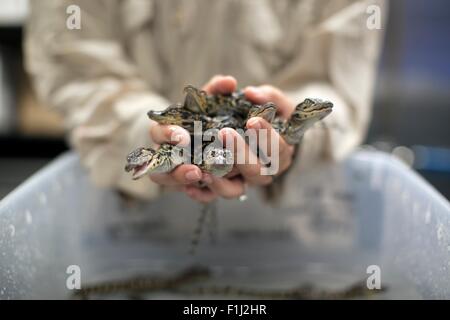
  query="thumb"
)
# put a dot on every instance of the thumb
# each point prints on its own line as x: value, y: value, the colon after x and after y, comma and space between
x: 267, y: 93
x: 220, y: 85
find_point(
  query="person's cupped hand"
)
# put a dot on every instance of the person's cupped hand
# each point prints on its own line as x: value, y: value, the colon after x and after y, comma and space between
x: 186, y: 177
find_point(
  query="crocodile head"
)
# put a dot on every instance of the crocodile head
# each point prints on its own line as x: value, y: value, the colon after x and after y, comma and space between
x: 266, y: 111
x: 312, y: 110
x: 305, y: 115
x: 139, y: 161
x: 174, y: 114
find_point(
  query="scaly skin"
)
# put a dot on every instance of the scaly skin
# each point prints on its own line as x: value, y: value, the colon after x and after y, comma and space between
x: 217, y: 112
x: 305, y: 115
x: 176, y: 114
x: 266, y: 111
x: 143, y: 161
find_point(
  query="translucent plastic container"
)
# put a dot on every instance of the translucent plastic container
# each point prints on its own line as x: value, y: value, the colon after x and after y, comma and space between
x: 369, y: 210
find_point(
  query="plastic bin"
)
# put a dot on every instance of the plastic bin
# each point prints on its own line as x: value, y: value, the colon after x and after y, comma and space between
x: 372, y: 210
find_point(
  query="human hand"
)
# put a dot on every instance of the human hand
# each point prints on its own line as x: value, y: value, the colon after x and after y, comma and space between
x: 228, y: 188
x: 281, y: 156
x: 186, y: 177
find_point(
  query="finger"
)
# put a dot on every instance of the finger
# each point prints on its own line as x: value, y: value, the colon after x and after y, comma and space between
x: 267, y: 93
x: 169, y: 134
x: 221, y: 85
x: 187, y: 173
x: 269, y: 136
x: 203, y: 195
x: 233, y: 173
x: 184, y: 174
x: 163, y: 179
x: 226, y: 188
x: 246, y: 161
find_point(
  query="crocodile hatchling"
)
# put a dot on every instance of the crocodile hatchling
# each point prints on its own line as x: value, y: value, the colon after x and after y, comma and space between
x: 214, y: 112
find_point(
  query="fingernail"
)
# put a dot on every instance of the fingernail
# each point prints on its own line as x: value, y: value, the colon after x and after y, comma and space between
x: 176, y: 134
x: 254, y: 123
x: 172, y: 129
x: 255, y: 90
x: 192, y: 175
x: 229, y: 133
x: 177, y: 138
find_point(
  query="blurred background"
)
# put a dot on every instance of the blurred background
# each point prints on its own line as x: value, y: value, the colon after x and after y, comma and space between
x: 411, y: 108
